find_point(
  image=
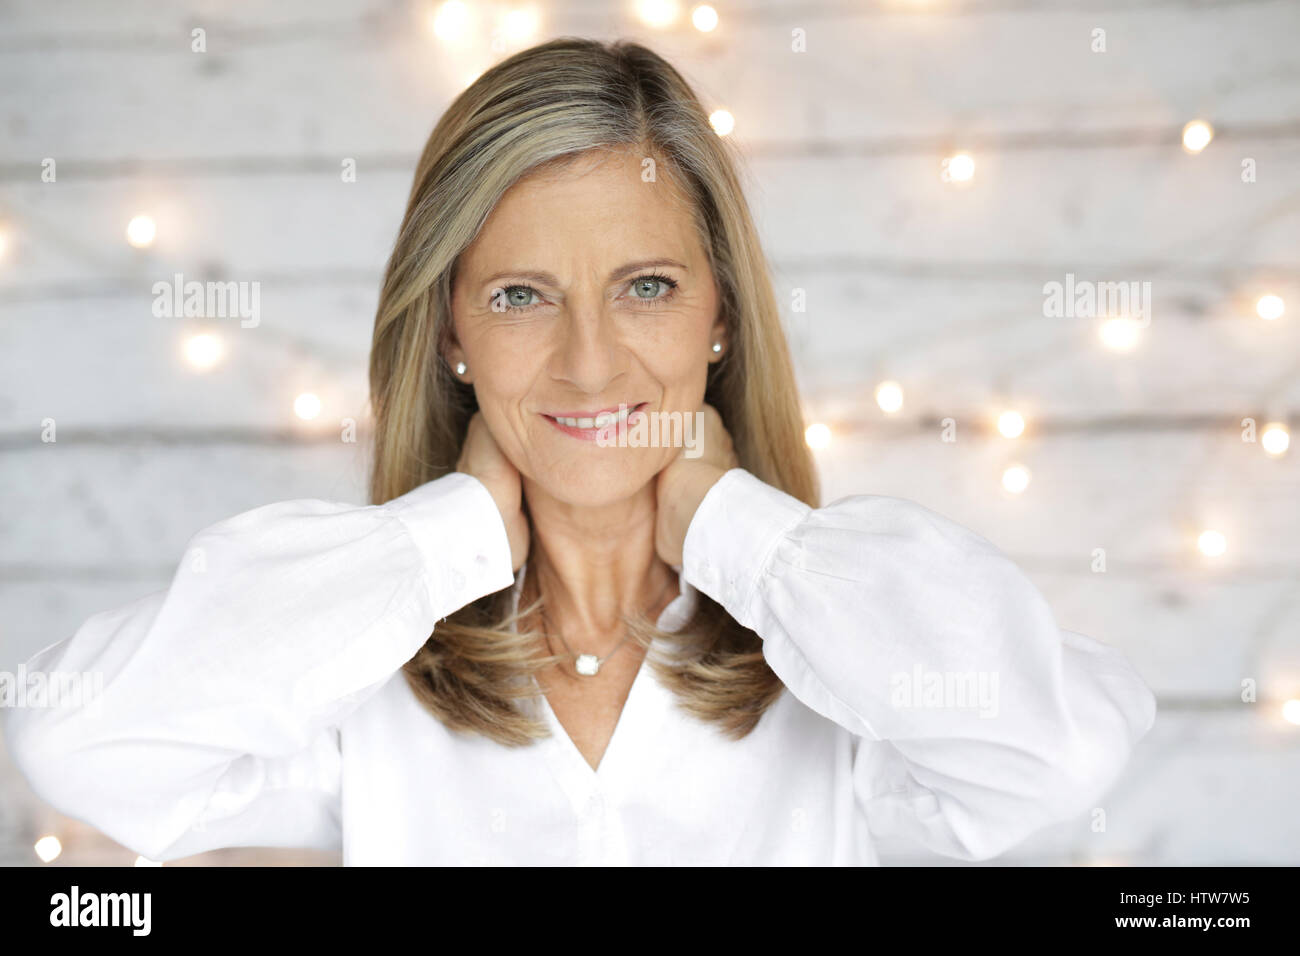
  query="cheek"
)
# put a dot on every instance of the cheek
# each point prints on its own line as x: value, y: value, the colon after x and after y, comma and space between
x: 503, y: 364
x: 681, y: 367
x: 500, y: 390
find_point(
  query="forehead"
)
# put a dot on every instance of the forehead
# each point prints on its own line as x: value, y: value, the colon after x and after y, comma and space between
x: 599, y: 206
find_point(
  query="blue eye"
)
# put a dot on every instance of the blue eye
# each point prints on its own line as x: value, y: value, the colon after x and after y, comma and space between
x: 647, y: 288
x: 651, y: 290
x: 648, y: 291
x: 513, y: 298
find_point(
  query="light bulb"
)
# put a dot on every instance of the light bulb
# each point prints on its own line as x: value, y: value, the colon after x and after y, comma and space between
x: 817, y: 436
x: 1212, y: 544
x: 48, y: 848
x: 1015, y: 479
x: 1291, y: 711
x: 704, y: 18
x: 1275, y: 439
x: 1270, y: 307
x: 520, y: 26
x: 141, y: 231
x: 1197, y: 135
x: 958, y: 168
x: 1120, y: 334
x: 203, y: 350
x: 889, y: 396
x: 1011, y: 424
x: 658, y: 13
x: 306, y: 406
x: 451, y: 21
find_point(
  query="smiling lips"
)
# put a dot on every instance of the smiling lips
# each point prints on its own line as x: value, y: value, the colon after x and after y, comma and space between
x: 588, y: 425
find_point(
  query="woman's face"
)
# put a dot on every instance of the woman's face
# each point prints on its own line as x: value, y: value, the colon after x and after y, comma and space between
x: 586, y: 289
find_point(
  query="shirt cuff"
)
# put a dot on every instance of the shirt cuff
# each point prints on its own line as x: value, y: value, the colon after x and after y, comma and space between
x: 732, y: 537
x: 455, y: 523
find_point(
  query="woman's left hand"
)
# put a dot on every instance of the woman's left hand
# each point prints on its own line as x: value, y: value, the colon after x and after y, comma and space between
x: 682, y: 485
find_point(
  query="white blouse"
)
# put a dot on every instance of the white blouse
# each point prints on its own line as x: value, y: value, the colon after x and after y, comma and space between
x: 259, y: 700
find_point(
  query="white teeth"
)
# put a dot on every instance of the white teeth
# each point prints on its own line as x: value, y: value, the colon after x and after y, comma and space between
x: 602, y: 420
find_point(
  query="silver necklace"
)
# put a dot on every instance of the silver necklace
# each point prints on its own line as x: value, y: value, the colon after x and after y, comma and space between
x: 588, y: 665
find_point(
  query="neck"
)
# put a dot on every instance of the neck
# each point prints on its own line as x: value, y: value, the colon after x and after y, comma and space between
x: 596, y: 563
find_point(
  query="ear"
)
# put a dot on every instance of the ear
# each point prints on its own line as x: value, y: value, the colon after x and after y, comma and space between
x: 452, y: 354
x: 718, y: 334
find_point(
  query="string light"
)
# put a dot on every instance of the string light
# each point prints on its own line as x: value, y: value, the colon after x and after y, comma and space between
x: 658, y: 13
x: 958, y: 168
x: 722, y: 122
x: 889, y: 396
x: 1120, y: 334
x: 1011, y: 424
x: 203, y: 350
x: 1197, y: 135
x: 1275, y: 439
x: 48, y: 848
x: 306, y: 406
x: 451, y: 22
x: 817, y: 436
x: 1270, y: 307
x: 704, y: 18
x: 1212, y: 544
x: 1015, y: 479
x: 140, y: 231
x: 1291, y: 711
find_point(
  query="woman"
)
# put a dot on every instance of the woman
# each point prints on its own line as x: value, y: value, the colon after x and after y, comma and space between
x: 545, y: 643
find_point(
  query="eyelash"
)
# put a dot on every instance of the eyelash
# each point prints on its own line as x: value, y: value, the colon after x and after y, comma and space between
x: 641, y: 303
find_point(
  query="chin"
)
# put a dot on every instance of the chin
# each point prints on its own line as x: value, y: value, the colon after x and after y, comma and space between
x: 601, y: 476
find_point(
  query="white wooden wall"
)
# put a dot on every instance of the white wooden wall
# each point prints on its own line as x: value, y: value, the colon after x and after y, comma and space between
x: 236, y: 154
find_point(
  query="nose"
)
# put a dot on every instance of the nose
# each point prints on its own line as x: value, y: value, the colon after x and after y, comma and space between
x: 587, y: 354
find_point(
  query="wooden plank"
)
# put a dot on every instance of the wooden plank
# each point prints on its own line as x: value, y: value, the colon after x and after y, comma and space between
x: 864, y: 74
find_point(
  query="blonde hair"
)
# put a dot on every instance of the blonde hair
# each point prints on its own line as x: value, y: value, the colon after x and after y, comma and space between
x: 546, y: 106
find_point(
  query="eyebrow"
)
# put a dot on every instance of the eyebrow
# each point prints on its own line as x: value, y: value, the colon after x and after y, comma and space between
x: 546, y: 278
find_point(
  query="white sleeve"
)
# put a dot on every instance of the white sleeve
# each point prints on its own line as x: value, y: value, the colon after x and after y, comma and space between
x: 216, y: 722
x: 980, y: 720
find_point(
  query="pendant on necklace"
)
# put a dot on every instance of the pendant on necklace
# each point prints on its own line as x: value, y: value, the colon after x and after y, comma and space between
x: 588, y: 665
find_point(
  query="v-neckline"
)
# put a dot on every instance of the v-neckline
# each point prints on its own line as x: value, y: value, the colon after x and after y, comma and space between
x: 580, y: 780
x: 627, y: 717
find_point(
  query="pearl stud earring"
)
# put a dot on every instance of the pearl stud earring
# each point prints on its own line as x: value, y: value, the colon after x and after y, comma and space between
x: 461, y: 368
x: 717, y: 346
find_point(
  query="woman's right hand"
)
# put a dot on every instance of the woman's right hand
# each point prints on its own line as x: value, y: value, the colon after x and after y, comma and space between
x: 482, y: 457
